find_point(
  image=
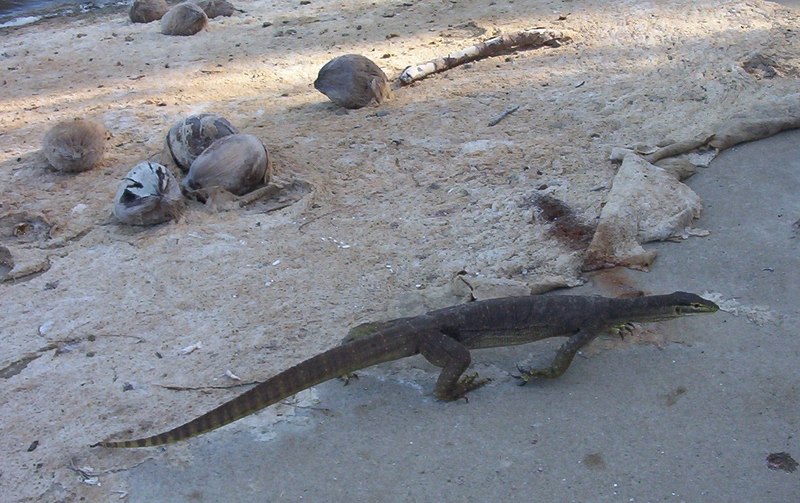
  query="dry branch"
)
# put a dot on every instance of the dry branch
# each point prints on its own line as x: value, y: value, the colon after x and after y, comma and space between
x: 503, y: 115
x: 504, y: 44
x: 678, y: 148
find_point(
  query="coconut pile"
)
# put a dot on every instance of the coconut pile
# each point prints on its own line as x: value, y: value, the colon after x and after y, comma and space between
x: 512, y: 174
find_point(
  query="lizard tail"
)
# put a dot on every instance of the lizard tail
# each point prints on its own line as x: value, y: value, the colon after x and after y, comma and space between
x: 336, y: 362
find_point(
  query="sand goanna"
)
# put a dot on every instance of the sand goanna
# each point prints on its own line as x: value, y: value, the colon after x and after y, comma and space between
x: 444, y: 337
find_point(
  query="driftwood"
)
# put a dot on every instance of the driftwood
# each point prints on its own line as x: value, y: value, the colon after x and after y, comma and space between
x: 678, y: 148
x: 504, y: 44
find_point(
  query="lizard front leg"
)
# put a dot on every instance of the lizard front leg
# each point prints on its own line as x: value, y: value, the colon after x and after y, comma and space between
x: 563, y: 358
x: 453, y: 358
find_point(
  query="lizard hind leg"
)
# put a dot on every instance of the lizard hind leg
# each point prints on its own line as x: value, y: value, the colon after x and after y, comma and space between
x: 453, y: 358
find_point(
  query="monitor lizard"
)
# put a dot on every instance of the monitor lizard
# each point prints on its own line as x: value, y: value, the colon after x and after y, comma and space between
x: 445, y: 337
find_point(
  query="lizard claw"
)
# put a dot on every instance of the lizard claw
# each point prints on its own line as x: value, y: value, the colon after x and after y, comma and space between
x: 348, y: 377
x: 624, y: 329
x: 471, y: 382
x: 526, y: 375
x: 466, y: 384
x: 523, y: 377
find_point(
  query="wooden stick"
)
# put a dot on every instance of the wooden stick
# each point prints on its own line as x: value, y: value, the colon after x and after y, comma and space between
x: 504, y: 44
x: 503, y: 115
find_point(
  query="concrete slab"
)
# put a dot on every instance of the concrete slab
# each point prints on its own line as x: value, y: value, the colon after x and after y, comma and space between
x: 692, y: 419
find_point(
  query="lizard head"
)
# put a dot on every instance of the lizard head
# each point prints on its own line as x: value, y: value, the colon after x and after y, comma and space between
x: 683, y: 303
x: 665, y: 307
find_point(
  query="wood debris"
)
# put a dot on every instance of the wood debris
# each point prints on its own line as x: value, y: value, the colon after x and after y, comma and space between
x: 504, y: 44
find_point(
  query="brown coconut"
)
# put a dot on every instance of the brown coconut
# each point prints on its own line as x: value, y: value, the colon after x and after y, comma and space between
x: 146, y: 11
x: 149, y: 194
x: 216, y: 8
x: 238, y: 163
x: 353, y: 81
x: 76, y: 145
x: 189, y: 137
x: 184, y: 19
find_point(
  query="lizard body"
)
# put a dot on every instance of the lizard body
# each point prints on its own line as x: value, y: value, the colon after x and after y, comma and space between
x: 444, y: 337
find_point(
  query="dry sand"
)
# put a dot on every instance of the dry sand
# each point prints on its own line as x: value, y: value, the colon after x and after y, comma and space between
x: 389, y: 204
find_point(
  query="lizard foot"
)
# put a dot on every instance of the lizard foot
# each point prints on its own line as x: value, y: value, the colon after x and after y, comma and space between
x: 466, y: 384
x: 522, y: 377
x: 348, y: 377
x: 623, y: 330
x: 526, y: 375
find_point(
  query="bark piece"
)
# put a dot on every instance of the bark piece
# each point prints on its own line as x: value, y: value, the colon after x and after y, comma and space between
x: 646, y: 203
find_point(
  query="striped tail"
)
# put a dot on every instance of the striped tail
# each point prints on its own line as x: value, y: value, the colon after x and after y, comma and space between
x: 341, y: 360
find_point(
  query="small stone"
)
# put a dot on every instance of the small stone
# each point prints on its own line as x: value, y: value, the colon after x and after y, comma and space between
x: 45, y: 327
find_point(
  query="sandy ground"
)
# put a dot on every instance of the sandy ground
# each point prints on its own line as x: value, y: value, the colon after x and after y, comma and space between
x: 387, y: 209
x: 685, y: 411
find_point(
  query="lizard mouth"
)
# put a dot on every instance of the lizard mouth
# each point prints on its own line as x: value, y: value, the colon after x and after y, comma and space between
x: 697, y: 308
